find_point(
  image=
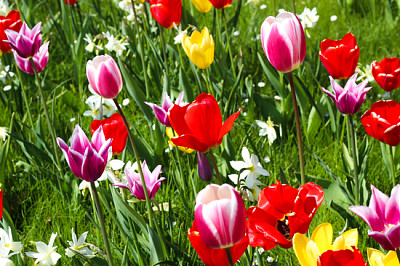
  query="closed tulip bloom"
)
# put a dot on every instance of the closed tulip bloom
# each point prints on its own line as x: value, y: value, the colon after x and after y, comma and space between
x: 40, y: 59
x: 340, y: 57
x: 166, y: 12
x: 199, y: 48
x: 387, y: 73
x: 87, y: 160
x: 26, y: 43
x: 202, y: 5
x: 283, y: 41
x: 350, y: 98
x: 11, y: 22
x: 377, y: 258
x: 70, y: 2
x: 161, y: 112
x: 104, y: 76
x: 221, y: 3
x: 382, y: 122
x: 205, y: 169
x: 199, y: 124
x: 345, y: 257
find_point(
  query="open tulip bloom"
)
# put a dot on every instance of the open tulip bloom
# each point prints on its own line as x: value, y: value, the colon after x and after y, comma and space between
x: 26, y: 43
x: 377, y: 258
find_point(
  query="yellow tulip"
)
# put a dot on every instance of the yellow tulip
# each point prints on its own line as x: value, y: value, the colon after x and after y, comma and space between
x: 377, y: 258
x: 202, y: 5
x: 199, y: 48
x: 170, y: 135
x: 308, y: 250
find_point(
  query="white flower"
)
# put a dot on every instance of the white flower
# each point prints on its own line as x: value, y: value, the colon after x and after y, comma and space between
x: 179, y: 38
x: 94, y: 101
x: 7, y: 88
x: 261, y: 84
x: 333, y: 18
x: 46, y: 253
x: 365, y: 73
x: 3, y: 133
x: 236, y: 33
x: 77, y: 245
x: 125, y: 102
x: 309, y: 17
x: 91, y: 45
x: 263, y: 7
x: 6, y: 262
x: 114, y: 44
x: 267, y: 129
x: 7, y: 239
x: 4, y: 8
x: 126, y: 5
x: 277, y: 97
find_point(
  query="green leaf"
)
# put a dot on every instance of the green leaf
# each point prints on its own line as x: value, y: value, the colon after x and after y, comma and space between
x: 271, y: 76
x: 185, y: 86
x: 156, y: 250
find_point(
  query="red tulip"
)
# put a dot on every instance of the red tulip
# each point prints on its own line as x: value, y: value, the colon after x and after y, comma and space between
x: 199, y: 124
x: 340, y: 57
x: 1, y: 203
x: 70, y: 2
x: 166, y: 12
x: 282, y: 211
x: 382, y: 122
x: 221, y: 3
x: 215, y: 257
x: 11, y: 22
x: 113, y: 128
x: 343, y: 257
x: 387, y: 73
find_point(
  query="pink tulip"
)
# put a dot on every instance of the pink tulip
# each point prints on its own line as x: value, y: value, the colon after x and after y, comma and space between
x: 40, y: 59
x: 26, y: 43
x: 220, y: 216
x: 104, y: 76
x: 283, y: 41
x: 161, y: 112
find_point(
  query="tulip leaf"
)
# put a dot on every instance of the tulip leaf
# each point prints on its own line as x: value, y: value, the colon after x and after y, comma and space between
x: 156, y: 250
x: 271, y: 76
x: 185, y: 86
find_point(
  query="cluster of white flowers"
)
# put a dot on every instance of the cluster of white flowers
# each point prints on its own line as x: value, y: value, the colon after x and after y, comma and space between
x: 308, y: 19
x: 113, y: 44
x: 365, y: 73
x: 96, y: 102
x: 126, y: 5
x: 4, y: 8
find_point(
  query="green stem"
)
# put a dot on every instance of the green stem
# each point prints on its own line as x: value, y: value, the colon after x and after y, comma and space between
x: 273, y: 8
x: 101, y: 220
x: 229, y: 255
x: 164, y: 54
x: 205, y: 74
x: 294, y: 6
x: 259, y: 259
x: 355, y: 170
x: 297, y: 117
x: 398, y: 253
x: 393, y: 169
x: 228, y: 43
x: 215, y: 166
x: 24, y: 95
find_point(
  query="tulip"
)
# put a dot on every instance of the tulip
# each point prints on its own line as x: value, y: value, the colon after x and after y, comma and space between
x: 199, y: 48
x: 205, y: 169
x: 202, y: 5
x: 308, y: 250
x: 86, y: 160
x: 11, y: 22
x: 283, y: 41
x: 282, y: 212
x: 215, y: 257
x: 166, y: 12
x: 221, y: 3
x: 387, y: 73
x: 383, y: 216
x: 170, y: 134
x: 40, y: 59
x: 344, y: 257
x: 199, y: 124
x: 104, y: 76
x: 1, y: 203
x: 220, y: 216
x: 161, y: 112
x: 135, y: 184
x: 377, y: 258
x: 350, y: 98
x: 113, y: 128
x: 382, y: 122
x: 26, y: 43
x: 340, y: 57
x: 70, y: 2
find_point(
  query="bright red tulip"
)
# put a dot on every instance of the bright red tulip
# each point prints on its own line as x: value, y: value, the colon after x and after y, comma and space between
x: 11, y: 22
x: 166, y: 12
x: 215, y: 257
x: 1, y: 204
x: 282, y: 211
x: 221, y: 3
x: 340, y: 57
x: 113, y: 128
x: 70, y: 2
x: 343, y: 257
x: 382, y: 122
x: 199, y: 124
x: 387, y: 73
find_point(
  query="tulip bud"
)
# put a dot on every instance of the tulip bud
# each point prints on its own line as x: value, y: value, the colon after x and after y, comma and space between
x: 205, y: 169
x: 199, y: 48
x: 104, y: 76
x: 283, y: 41
x: 202, y: 5
x: 26, y: 43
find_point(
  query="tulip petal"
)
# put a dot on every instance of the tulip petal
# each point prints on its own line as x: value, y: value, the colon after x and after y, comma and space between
x: 300, y: 242
x: 190, y: 141
x: 322, y: 236
x: 369, y: 216
x: 226, y: 127
x: 351, y: 238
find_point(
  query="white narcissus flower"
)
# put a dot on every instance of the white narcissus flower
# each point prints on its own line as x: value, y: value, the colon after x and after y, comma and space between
x: 6, y: 262
x: 77, y: 245
x: 309, y: 17
x: 114, y: 44
x: 46, y: 254
x: 7, y: 241
x: 94, y: 101
x: 178, y: 38
x: 267, y: 129
x: 3, y: 133
x: 91, y: 45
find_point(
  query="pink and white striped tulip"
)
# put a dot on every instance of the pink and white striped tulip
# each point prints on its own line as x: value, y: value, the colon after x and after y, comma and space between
x: 283, y: 41
x: 40, y: 59
x: 104, y: 76
x: 220, y: 216
x: 26, y: 43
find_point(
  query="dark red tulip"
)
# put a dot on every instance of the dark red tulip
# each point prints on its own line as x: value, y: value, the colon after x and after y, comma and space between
x: 387, y: 73
x: 11, y: 22
x: 282, y: 211
x: 113, y: 128
x: 221, y: 3
x: 70, y: 2
x: 166, y: 12
x: 340, y: 57
x: 343, y: 257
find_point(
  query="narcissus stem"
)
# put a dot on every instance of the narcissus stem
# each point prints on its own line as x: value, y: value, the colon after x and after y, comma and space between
x: 215, y: 166
x: 355, y: 170
x: 228, y: 43
x: 393, y: 169
x: 229, y: 255
x: 297, y: 117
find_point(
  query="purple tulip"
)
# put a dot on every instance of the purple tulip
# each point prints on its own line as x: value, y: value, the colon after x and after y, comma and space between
x: 205, y: 169
x: 86, y: 160
x: 383, y: 216
x: 135, y: 183
x: 349, y: 99
x: 40, y: 59
x: 26, y: 43
x: 220, y: 216
x: 283, y: 41
x: 161, y: 112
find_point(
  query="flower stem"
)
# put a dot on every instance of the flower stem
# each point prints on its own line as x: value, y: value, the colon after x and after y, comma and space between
x: 24, y: 96
x: 393, y: 170
x: 164, y: 53
x: 215, y: 166
x: 297, y: 117
x: 101, y: 220
x: 273, y: 8
x: 355, y: 170
x: 229, y: 255
x: 205, y: 74
x: 294, y: 6
x: 228, y: 43
x: 398, y: 253
x: 146, y: 193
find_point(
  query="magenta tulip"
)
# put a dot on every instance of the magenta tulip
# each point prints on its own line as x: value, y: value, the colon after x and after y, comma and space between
x: 26, y: 43
x: 40, y: 59
x: 283, y: 41
x: 161, y: 112
x: 86, y: 160
x: 104, y: 76
x: 220, y: 216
